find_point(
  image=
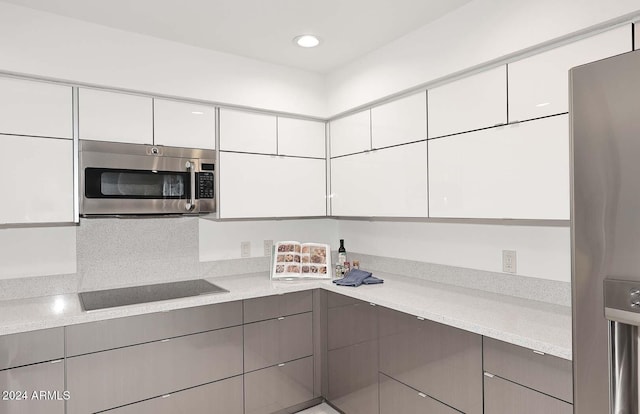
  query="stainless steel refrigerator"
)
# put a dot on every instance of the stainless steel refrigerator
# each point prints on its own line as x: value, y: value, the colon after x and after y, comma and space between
x: 605, y: 122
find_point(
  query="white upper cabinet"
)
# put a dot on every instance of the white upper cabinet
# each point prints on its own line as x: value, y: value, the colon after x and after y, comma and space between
x: 399, y: 122
x: 301, y: 138
x: 183, y: 124
x: 519, y: 171
x: 117, y: 117
x: 45, y: 161
x: 255, y: 185
x: 539, y: 85
x: 478, y: 101
x: 247, y: 132
x: 390, y: 182
x: 351, y: 134
x: 35, y: 108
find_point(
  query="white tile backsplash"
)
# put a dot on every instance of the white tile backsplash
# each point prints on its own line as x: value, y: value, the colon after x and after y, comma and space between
x: 543, y: 252
x: 220, y: 240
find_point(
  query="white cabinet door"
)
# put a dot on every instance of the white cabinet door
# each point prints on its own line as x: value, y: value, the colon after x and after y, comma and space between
x: 351, y: 134
x: 478, y: 101
x: 301, y: 138
x: 247, y: 132
x: 519, y: 171
x: 254, y: 185
x: 539, y: 85
x: 117, y: 117
x: 389, y: 182
x: 35, y: 108
x: 399, y: 122
x: 636, y: 34
x: 38, y: 184
x: 183, y: 124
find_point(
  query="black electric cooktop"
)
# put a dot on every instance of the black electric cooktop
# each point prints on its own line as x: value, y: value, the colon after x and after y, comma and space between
x: 111, y: 298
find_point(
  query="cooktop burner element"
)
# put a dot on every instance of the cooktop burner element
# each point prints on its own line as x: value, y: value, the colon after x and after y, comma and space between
x: 111, y: 298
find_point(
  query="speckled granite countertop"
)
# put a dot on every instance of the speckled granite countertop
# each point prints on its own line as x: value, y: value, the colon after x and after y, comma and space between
x: 540, y: 326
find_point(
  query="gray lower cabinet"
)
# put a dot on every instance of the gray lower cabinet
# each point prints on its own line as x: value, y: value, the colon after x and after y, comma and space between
x: 110, y: 379
x: 46, y: 376
x: 114, y: 333
x: 221, y: 397
x: 276, y: 388
x: 275, y: 306
x: 350, y: 323
x: 279, y: 340
x: 31, y: 347
x: 505, y: 397
x: 442, y: 362
x: 397, y: 398
x: 545, y: 373
x: 353, y: 378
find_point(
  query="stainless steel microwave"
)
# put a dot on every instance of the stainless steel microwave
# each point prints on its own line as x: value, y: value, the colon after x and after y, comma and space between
x: 131, y: 179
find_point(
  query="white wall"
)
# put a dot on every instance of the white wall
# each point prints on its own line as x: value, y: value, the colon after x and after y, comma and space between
x: 542, y: 252
x: 476, y: 33
x: 45, y: 44
x: 221, y: 240
x: 26, y: 252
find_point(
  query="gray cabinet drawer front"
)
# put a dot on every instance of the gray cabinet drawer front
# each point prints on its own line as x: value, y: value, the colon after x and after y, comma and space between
x: 397, y: 398
x: 351, y: 324
x: 224, y: 397
x: 441, y: 361
x: 275, y: 341
x: 353, y: 378
x: 31, y: 347
x: 335, y: 300
x: 270, y: 307
x: 115, y: 333
x: 273, y: 389
x: 122, y: 376
x: 46, y: 376
x: 505, y: 397
x: 546, y: 373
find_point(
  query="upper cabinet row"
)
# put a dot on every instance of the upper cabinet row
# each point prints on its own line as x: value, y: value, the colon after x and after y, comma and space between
x: 269, y: 134
x: 120, y: 117
x: 534, y: 87
x: 36, y: 131
x: 398, y: 122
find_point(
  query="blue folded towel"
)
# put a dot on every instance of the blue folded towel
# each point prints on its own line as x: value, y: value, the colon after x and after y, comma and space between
x: 372, y: 280
x: 357, y: 277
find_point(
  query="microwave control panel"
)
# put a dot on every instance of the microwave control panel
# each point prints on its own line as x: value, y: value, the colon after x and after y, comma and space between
x: 205, y: 182
x: 205, y: 185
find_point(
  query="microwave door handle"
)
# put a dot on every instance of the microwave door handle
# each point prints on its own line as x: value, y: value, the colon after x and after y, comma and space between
x: 190, y: 165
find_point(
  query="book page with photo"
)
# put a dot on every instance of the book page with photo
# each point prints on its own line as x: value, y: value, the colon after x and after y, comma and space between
x: 307, y: 260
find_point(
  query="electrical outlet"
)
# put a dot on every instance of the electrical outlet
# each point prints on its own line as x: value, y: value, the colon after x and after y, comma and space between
x: 245, y: 249
x: 509, y: 261
x: 268, y: 245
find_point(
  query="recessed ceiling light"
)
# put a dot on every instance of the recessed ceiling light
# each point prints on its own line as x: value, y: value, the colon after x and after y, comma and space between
x: 306, y: 40
x: 540, y: 105
x: 197, y: 113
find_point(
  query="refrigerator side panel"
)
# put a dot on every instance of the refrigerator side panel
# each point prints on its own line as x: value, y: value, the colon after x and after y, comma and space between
x: 605, y: 125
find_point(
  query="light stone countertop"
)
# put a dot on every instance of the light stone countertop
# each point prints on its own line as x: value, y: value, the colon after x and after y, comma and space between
x: 536, y: 325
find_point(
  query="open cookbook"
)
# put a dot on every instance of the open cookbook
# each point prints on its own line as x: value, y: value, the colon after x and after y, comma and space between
x: 292, y: 259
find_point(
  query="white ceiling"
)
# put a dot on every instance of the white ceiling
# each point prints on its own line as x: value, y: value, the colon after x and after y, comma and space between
x: 263, y: 29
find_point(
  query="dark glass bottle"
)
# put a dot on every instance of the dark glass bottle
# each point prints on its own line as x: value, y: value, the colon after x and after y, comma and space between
x: 342, y: 253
